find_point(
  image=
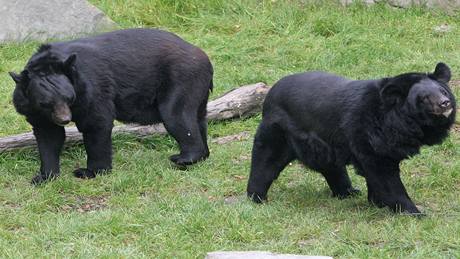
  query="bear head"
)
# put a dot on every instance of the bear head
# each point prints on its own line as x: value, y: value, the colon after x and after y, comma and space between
x: 45, y: 87
x: 425, y: 97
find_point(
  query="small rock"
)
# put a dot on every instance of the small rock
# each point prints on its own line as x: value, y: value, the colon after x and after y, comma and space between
x: 231, y: 200
x: 443, y: 28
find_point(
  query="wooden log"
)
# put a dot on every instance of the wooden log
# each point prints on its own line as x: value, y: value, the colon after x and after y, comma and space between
x: 243, y: 101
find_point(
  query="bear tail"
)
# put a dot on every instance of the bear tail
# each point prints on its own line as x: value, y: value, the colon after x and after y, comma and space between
x: 211, y: 85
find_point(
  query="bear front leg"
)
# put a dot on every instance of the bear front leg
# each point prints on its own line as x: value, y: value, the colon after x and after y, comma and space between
x: 339, y: 182
x: 98, y: 145
x: 50, y: 139
x: 385, y: 188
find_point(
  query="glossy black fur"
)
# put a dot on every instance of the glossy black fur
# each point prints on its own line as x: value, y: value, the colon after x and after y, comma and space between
x: 327, y: 122
x: 144, y: 76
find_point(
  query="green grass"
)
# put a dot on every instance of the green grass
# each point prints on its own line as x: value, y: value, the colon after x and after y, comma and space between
x: 146, y: 208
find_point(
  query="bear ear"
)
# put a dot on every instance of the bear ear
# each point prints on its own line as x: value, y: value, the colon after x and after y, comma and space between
x: 442, y: 73
x: 70, y: 61
x: 392, y: 94
x: 16, y: 77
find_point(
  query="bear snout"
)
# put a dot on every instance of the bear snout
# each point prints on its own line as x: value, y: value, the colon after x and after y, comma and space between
x: 439, y: 105
x: 62, y: 114
x: 445, y: 105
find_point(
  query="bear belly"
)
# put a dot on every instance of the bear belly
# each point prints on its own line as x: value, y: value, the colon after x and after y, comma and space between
x: 137, y: 109
x: 317, y: 153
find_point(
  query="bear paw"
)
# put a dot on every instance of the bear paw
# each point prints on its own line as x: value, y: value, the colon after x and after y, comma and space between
x: 41, y: 178
x: 350, y: 192
x: 187, y: 159
x: 84, y: 173
x: 400, y: 206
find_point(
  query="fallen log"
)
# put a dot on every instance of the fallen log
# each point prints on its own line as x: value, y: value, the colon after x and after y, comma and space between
x: 240, y: 102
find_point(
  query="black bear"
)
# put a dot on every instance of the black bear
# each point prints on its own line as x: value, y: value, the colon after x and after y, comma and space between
x: 136, y: 75
x: 327, y: 122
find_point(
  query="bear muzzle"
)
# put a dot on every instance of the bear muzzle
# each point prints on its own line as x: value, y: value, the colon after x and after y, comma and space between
x: 446, y: 106
x: 441, y: 106
x: 61, y: 114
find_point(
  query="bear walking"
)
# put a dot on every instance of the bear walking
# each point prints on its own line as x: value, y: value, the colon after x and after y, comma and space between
x: 327, y: 122
x: 143, y: 76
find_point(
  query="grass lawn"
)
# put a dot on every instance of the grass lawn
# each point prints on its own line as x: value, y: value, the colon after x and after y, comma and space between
x: 146, y: 208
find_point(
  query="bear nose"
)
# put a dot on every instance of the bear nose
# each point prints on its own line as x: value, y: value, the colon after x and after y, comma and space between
x: 62, y: 119
x: 444, y: 103
x: 65, y: 120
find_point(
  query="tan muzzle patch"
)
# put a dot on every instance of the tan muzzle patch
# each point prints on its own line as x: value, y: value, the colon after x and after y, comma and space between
x: 447, y: 113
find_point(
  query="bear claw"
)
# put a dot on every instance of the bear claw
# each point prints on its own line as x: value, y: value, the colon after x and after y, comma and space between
x: 350, y: 192
x: 84, y: 173
x: 257, y: 198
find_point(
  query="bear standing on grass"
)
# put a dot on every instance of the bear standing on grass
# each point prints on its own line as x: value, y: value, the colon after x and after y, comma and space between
x: 138, y: 75
x: 327, y: 122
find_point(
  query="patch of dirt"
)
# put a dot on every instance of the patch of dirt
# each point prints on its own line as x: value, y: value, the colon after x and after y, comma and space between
x: 10, y: 205
x: 241, y: 158
x: 240, y: 177
x: 87, y: 204
x: 454, y: 83
x: 456, y: 127
x: 231, y: 138
x: 418, y: 173
x: 376, y: 243
x: 306, y: 242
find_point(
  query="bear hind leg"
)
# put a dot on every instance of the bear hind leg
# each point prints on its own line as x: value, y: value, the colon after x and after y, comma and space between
x: 181, y: 122
x: 270, y: 155
x: 203, y: 125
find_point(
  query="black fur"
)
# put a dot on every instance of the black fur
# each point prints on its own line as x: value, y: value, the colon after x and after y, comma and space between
x: 327, y: 122
x: 138, y: 75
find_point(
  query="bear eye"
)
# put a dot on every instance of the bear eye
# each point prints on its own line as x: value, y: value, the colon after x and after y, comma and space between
x: 443, y: 91
x: 46, y: 105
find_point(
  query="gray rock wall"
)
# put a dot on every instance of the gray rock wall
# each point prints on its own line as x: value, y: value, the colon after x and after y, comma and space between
x: 22, y: 20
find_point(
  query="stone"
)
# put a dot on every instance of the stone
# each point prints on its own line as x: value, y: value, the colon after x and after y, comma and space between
x: 233, y: 199
x: 258, y: 255
x: 443, y: 28
x: 40, y: 20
